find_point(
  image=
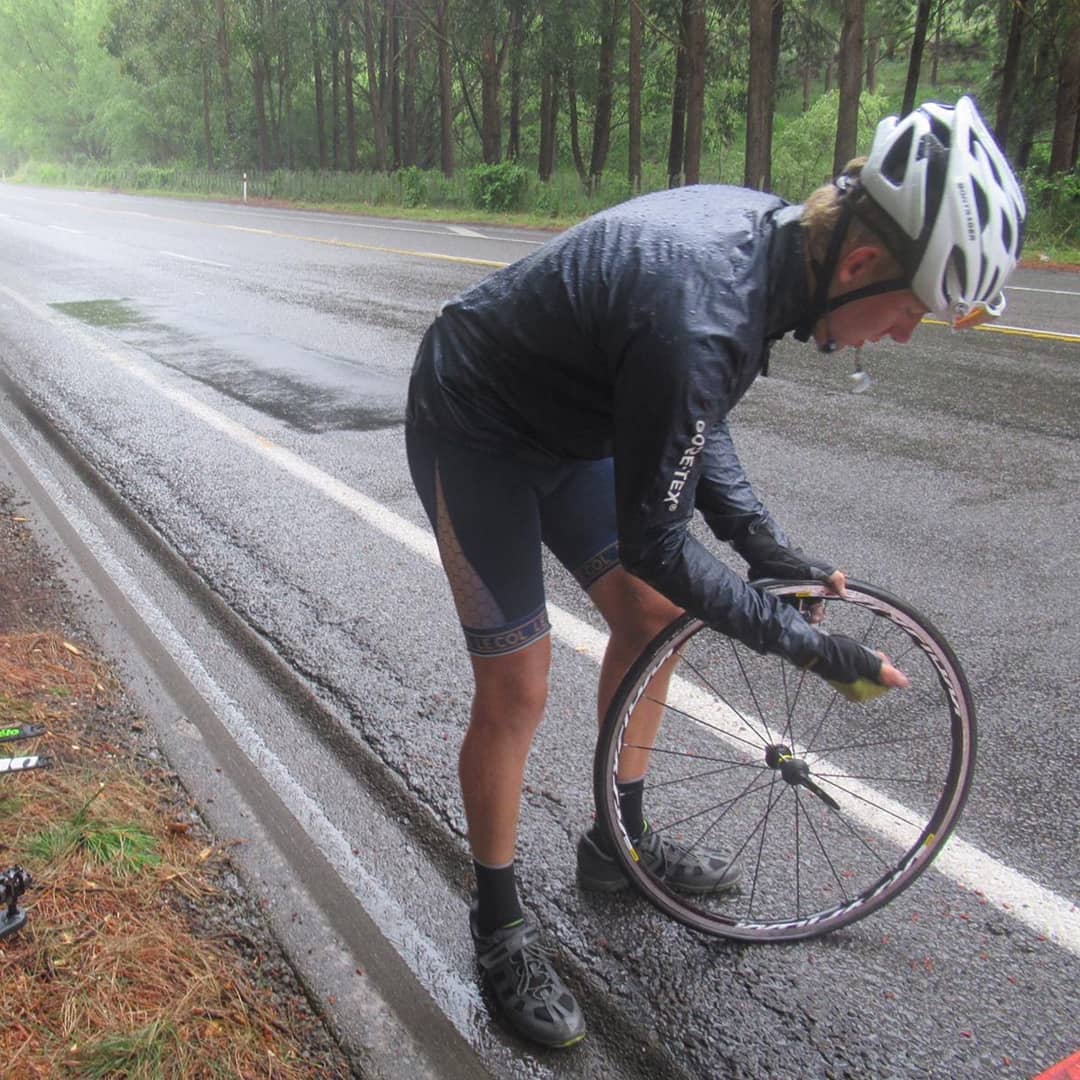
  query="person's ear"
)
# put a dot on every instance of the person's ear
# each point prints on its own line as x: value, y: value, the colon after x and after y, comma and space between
x: 857, y: 265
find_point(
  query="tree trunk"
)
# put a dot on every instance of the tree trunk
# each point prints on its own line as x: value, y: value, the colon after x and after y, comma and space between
x: 446, y: 104
x: 517, y: 48
x: 335, y: 94
x: 634, y: 80
x: 549, y: 90
x: 695, y: 92
x: 395, y: 82
x: 939, y: 27
x: 284, y: 117
x: 1038, y: 72
x: 918, y: 43
x: 1009, y: 73
x: 412, y: 73
x: 490, y: 119
x: 549, y: 96
x: 605, y: 90
x: 320, y: 92
x: 871, y: 64
x: 759, y: 95
x: 849, y: 67
x: 258, y: 76
x: 1062, y: 153
x: 208, y: 134
x: 223, y: 65
x: 375, y: 89
x: 352, y: 159
x: 676, y: 144
x: 575, y: 140
x: 774, y: 60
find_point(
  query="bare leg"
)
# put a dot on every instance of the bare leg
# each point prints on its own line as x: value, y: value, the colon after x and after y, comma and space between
x: 508, y: 705
x: 635, y: 614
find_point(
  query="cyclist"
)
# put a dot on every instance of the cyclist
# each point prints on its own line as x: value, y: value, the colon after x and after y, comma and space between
x: 578, y: 399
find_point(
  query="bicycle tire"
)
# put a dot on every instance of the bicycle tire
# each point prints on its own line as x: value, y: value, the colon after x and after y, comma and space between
x: 841, y: 855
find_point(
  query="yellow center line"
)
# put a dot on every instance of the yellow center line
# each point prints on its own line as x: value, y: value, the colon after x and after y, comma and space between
x: 327, y: 242
x: 331, y: 242
x: 1016, y: 331
x: 493, y: 264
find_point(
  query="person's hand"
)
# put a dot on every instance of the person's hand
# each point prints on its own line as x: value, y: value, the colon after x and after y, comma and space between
x: 768, y: 558
x: 854, y: 671
x: 814, y: 611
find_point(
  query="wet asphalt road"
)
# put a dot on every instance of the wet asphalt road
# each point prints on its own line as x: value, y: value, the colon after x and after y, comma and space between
x: 953, y: 483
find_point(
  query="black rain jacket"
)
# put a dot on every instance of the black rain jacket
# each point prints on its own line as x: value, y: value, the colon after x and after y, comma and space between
x: 633, y: 335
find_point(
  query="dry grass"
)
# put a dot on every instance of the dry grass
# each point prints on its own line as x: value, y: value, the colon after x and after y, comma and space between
x: 107, y: 977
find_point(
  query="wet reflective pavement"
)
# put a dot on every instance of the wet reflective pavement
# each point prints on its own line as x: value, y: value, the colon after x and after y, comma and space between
x: 951, y: 482
x: 301, y: 387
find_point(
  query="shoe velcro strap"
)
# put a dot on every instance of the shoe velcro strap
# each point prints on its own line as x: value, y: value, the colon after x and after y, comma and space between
x: 519, y: 939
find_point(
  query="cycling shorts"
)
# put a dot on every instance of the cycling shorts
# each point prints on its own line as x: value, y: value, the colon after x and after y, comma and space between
x: 491, y: 514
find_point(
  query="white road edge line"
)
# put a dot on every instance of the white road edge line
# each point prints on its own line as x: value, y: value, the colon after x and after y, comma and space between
x: 192, y: 259
x: 459, y: 1000
x: 1051, y: 292
x: 1024, y: 899
x: 64, y: 228
x: 461, y: 230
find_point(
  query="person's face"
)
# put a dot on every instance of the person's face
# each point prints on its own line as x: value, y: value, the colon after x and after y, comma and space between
x: 887, y: 315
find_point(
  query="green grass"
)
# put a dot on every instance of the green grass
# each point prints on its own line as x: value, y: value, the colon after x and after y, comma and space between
x: 125, y: 848
x: 143, y: 1054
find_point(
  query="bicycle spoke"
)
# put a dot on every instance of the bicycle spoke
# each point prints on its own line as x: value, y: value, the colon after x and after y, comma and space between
x: 765, y: 739
x: 705, y: 724
x: 866, y: 782
x: 697, y: 777
x: 870, y: 802
x: 694, y: 757
x: 761, y: 846
x: 825, y: 853
x: 729, y: 803
x: 750, y: 687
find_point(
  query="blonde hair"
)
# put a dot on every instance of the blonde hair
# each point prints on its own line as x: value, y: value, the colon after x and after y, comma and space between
x: 869, y: 225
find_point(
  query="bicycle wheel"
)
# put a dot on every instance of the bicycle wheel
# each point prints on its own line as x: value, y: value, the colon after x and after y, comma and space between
x: 832, y: 808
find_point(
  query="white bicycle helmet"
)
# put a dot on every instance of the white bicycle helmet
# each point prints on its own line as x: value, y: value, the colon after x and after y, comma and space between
x: 939, y: 175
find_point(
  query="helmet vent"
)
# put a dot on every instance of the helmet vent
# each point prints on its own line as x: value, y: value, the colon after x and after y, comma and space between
x: 894, y: 166
x: 1006, y: 232
x: 958, y: 270
x: 982, y: 204
x: 940, y: 132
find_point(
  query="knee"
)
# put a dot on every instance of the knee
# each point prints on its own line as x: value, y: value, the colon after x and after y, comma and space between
x: 511, y: 703
x: 640, y: 622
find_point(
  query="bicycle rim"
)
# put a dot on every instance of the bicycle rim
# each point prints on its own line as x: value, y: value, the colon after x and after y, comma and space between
x: 832, y: 808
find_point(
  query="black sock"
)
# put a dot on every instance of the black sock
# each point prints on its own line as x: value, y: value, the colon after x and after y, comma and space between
x: 631, y: 796
x: 497, y: 901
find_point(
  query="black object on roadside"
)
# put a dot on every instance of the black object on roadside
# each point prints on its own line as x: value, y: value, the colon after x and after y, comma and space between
x: 15, y: 732
x: 13, y: 883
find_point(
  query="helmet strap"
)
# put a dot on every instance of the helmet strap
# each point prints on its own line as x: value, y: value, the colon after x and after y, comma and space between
x: 823, y: 271
x: 848, y: 189
x: 876, y: 289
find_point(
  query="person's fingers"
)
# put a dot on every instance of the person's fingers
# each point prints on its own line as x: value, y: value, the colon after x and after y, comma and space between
x: 891, y: 676
x: 837, y: 582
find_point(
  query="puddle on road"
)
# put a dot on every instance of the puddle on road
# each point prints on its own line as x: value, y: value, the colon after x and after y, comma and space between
x: 110, y: 314
x: 301, y: 387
